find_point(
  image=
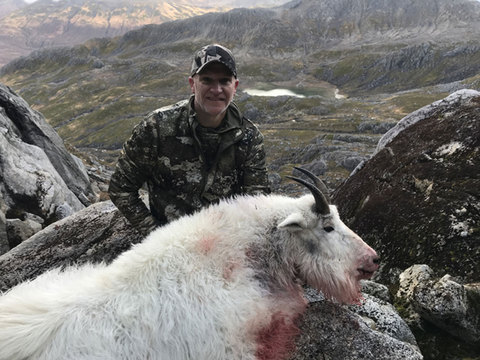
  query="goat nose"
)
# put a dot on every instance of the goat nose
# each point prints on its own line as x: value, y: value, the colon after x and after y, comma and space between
x: 376, y: 260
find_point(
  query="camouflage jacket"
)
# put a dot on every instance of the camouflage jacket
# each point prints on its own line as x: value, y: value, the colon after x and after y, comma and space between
x: 165, y: 153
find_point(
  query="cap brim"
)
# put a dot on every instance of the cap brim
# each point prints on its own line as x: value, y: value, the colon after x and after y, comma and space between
x: 199, y: 70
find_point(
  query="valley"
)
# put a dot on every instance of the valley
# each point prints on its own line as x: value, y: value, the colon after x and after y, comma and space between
x: 383, y: 68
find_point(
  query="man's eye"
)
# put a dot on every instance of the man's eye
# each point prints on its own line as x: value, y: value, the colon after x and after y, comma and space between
x: 328, y: 229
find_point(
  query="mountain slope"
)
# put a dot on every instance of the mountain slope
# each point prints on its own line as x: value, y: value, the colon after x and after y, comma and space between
x: 48, y: 23
x: 95, y: 92
x: 339, y: 23
x: 346, y: 42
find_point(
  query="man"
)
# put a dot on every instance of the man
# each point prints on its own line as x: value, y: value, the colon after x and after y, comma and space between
x: 193, y: 153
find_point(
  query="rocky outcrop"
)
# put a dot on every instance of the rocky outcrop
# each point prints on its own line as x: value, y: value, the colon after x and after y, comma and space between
x: 31, y: 128
x: 99, y: 233
x: 95, y: 234
x: 439, y: 310
x: 330, y: 331
x: 417, y: 200
x: 344, y: 18
x: 40, y: 181
x: 4, y: 246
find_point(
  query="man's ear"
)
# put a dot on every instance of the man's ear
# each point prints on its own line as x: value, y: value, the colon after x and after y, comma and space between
x: 293, y: 222
x: 192, y: 84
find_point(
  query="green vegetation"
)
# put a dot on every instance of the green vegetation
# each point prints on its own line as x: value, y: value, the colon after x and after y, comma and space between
x: 95, y: 93
x: 411, y: 101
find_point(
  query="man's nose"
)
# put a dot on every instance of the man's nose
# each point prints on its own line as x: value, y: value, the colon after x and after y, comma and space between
x: 216, y: 87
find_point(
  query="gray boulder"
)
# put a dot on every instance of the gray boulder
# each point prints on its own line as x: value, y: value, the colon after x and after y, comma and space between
x: 95, y: 234
x: 4, y: 246
x: 38, y: 177
x: 29, y: 180
x: 331, y: 332
x: 384, y: 318
x: 30, y: 127
x: 20, y: 230
x: 29, y: 183
x: 451, y: 307
x: 417, y: 200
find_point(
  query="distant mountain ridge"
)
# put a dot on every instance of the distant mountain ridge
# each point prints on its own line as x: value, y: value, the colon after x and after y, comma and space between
x: 48, y: 23
x: 346, y: 22
x: 354, y: 43
x: 300, y: 25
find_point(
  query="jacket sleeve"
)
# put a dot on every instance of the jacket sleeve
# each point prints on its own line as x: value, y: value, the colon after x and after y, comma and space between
x: 133, y: 168
x: 255, y: 176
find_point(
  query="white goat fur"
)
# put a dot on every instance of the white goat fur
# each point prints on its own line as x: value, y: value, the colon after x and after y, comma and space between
x: 219, y: 284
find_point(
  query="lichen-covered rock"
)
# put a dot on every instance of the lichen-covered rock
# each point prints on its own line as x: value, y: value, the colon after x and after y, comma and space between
x: 385, y: 319
x: 332, y: 332
x: 95, y: 234
x: 439, y: 309
x: 444, y: 302
x: 417, y: 201
x: 451, y: 101
x: 449, y: 305
x: 377, y: 290
x: 20, y: 230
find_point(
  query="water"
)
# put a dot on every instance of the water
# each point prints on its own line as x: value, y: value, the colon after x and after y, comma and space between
x: 340, y: 96
x: 274, y: 92
x: 285, y: 92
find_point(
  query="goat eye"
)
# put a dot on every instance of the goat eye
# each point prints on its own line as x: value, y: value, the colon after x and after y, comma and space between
x: 328, y: 229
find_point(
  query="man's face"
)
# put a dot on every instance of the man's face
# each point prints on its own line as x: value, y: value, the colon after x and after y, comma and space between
x: 214, y: 88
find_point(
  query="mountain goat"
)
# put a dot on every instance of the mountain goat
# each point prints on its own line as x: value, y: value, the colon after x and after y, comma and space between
x: 224, y: 283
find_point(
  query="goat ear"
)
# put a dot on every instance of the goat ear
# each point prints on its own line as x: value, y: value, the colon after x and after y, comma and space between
x: 293, y: 222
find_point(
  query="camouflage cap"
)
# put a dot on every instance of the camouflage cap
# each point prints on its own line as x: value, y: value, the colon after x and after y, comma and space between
x: 213, y: 53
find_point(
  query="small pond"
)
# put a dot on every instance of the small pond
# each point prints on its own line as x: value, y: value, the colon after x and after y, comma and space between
x: 274, y: 92
x: 287, y: 92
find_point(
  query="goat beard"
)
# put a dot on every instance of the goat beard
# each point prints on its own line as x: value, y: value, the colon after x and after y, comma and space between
x: 344, y: 289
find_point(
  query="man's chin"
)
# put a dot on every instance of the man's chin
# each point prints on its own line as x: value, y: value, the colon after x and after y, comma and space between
x: 215, y: 111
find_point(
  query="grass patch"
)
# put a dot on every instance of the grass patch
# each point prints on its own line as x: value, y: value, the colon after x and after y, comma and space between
x: 409, y: 102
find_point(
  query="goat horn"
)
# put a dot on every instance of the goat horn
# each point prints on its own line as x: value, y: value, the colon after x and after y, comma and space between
x: 316, y: 181
x: 321, y: 204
